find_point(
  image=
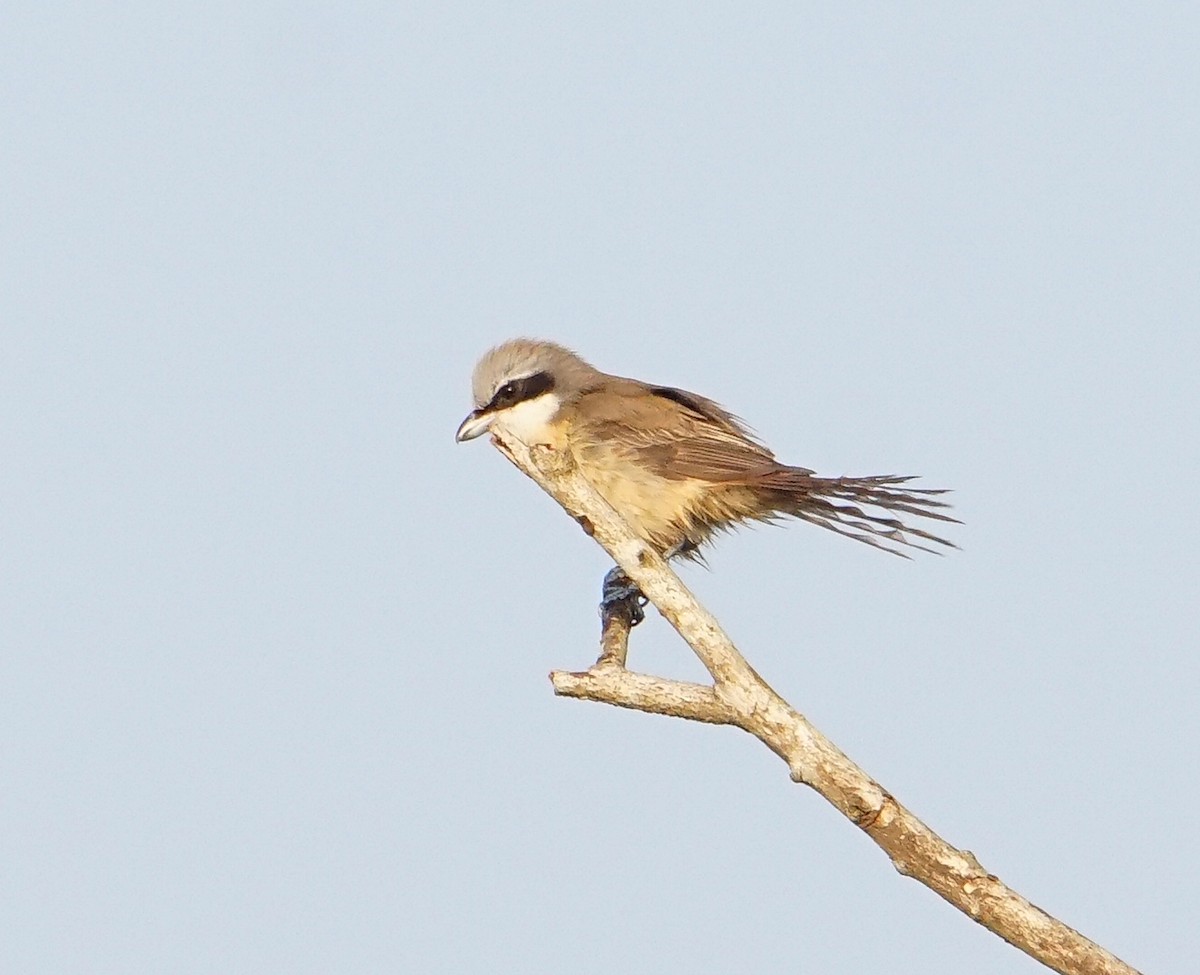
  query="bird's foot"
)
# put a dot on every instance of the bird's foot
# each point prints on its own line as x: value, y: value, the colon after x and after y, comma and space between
x: 621, y: 598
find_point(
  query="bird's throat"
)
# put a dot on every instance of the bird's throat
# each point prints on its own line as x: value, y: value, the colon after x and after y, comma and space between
x: 531, y: 421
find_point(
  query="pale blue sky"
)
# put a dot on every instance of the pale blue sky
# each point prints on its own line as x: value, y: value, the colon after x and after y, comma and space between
x: 273, y: 647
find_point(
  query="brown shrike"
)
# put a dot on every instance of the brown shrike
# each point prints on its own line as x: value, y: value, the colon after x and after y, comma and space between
x: 676, y: 466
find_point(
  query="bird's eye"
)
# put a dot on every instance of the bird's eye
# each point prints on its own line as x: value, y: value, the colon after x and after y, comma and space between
x: 505, y: 395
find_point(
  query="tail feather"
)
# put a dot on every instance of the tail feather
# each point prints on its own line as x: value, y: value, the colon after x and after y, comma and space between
x: 837, y: 503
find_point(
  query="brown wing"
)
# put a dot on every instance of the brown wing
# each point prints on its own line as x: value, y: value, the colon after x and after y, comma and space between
x: 673, y: 433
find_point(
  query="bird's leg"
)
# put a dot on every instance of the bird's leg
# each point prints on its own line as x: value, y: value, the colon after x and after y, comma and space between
x: 620, y: 596
x: 621, y: 605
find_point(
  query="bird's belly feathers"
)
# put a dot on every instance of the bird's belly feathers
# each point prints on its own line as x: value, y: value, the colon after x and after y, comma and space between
x: 664, y: 511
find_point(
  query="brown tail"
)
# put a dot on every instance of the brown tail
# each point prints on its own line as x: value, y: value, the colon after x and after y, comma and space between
x: 837, y: 503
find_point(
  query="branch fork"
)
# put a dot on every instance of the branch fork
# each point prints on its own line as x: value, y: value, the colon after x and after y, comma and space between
x: 738, y: 696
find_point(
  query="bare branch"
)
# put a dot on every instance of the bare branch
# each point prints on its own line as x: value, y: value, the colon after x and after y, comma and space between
x: 740, y: 697
x: 641, y: 692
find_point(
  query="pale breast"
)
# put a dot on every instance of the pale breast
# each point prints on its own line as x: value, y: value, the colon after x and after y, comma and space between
x: 657, y: 508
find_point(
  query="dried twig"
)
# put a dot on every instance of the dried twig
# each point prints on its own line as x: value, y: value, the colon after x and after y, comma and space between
x: 740, y: 697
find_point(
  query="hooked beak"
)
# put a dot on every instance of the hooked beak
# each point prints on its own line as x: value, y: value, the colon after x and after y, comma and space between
x: 475, y: 425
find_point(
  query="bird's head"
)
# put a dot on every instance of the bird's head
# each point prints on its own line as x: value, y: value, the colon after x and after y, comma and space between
x: 520, y: 386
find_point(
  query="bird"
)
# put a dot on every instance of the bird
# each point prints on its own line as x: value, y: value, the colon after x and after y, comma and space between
x: 678, y: 467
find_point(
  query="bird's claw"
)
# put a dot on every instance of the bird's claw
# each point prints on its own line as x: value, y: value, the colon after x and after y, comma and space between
x: 620, y: 597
